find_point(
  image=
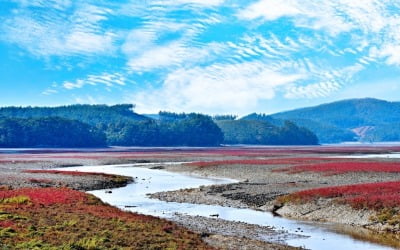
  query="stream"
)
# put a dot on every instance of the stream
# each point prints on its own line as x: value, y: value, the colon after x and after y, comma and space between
x: 134, y: 198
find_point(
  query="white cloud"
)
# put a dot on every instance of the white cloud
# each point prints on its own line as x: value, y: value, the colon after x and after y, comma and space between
x: 177, y: 43
x: 171, y: 55
x: 323, y: 82
x: 56, y: 4
x: 75, y: 85
x: 332, y: 16
x: 146, y: 53
x: 138, y: 41
x: 49, y: 92
x: 158, y: 8
x: 315, y: 90
x: 270, y: 9
x: 392, y: 54
x: 107, y: 79
x: 52, y: 32
x: 197, y: 2
x: 319, y: 15
x: 216, y: 88
x: 373, y: 24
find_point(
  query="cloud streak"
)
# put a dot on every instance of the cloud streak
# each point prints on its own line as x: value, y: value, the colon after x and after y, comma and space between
x: 208, y: 55
x: 106, y: 79
x: 56, y: 28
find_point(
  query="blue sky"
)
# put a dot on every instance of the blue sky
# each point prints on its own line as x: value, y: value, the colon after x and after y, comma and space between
x: 210, y: 56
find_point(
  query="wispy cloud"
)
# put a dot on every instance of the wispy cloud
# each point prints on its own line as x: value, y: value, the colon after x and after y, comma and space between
x: 106, y: 79
x: 206, y: 55
x: 55, y: 4
x: 49, y: 92
x: 322, y: 82
x: 372, y: 23
x: 145, y: 51
x: 55, y: 28
x: 196, y: 2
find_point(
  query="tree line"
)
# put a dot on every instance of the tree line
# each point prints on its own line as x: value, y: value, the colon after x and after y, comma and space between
x: 119, y: 125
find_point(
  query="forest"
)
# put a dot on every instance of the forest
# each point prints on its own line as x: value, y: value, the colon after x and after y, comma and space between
x: 119, y: 125
x: 265, y: 133
x: 48, y: 132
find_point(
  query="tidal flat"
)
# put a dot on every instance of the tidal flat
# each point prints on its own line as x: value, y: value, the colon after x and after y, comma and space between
x: 266, y: 179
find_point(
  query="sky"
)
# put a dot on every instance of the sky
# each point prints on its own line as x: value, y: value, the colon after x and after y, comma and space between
x: 208, y: 56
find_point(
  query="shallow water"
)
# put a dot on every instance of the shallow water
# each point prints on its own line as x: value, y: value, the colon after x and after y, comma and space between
x: 133, y: 198
x: 368, y: 156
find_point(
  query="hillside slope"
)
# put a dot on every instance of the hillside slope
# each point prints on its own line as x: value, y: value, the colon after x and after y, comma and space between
x: 339, y: 121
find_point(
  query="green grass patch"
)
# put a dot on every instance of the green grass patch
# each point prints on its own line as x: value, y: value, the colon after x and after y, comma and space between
x: 20, y: 199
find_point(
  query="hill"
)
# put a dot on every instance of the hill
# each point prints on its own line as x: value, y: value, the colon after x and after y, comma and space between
x: 349, y: 120
x: 90, y: 114
x: 99, y: 125
x: 265, y: 133
x: 368, y: 119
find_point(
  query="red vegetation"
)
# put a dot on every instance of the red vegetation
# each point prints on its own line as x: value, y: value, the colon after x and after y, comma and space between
x: 239, y: 152
x: 260, y: 151
x: 46, y: 196
x: 50, y: 218
x: 371, y: 195
x: 277, y: 161
x: 109, y: 212
x: 73, y: 173
x: 6, y: 223
x: 153, y: 153
x: 331, y: 168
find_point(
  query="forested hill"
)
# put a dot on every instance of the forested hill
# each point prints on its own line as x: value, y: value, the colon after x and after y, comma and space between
x: 48, y: 132
x: 258, y: 132
x: 356, y: 119
x: 119, y: 125
x: 99, y: 125
x: 90, y: 114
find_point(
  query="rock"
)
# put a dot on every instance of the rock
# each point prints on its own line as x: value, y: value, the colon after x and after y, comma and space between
x: 158, y: 167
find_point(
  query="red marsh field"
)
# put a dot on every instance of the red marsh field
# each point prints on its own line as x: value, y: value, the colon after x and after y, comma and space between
x: 268, y: 179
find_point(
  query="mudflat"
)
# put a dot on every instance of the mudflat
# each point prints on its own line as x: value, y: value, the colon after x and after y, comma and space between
x: 268, y: 179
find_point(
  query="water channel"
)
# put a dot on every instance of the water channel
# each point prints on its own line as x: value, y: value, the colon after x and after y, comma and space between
x: 134, y: 198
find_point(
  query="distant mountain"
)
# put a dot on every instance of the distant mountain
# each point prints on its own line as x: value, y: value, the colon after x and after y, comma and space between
x: 349, y: 120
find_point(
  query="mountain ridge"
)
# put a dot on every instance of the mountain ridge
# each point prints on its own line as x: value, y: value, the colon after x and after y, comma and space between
x: 346, y: 117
